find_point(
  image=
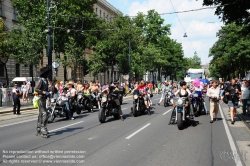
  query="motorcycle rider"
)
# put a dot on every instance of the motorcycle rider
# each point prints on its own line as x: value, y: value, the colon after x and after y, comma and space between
x: 185, y: 92
x: 142, y: 87
x: 112, y: 88
x: 64, y: 97
x: 165, y: 89
x: 87, y: 92
x: 42, y: 90
x: 95, y: 93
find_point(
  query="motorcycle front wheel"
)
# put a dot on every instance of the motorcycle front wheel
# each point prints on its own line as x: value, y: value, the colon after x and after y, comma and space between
x: 180, y: 122
x: 51, y: 116
x: 134, y: 110
x: 101, y: 115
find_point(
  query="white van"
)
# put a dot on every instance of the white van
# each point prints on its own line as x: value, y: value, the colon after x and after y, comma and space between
x: 20, y: 80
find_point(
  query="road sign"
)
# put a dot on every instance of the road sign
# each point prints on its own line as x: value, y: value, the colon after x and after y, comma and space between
x: 55, y: 65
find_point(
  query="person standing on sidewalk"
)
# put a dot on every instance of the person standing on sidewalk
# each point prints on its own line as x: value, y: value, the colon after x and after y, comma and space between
x: 245, y: 94
x: 42, y: 89
x: 232, y: 92
x: 16, y: 94
x: 213, y: 93
x: 28, y: 85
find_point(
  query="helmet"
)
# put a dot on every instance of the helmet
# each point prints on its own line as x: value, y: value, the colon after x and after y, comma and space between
x: 65, y: 88
x: 183, y: 83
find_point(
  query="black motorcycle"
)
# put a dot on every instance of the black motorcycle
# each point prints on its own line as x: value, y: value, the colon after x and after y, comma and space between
x: 108, y: 106
x: 167, y: 98
x: 83, y: 103
x: 197, y: 102
x: 139, y: 106
x: 180, y: 111
x: 56, y: 109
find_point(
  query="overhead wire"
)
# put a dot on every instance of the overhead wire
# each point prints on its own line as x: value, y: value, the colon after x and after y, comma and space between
x: 182, y: 25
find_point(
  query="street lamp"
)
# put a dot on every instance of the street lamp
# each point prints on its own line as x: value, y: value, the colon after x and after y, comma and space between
x: 48, y: 30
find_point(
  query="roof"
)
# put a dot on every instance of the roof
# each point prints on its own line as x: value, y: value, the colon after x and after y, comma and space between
x: 111, y: 7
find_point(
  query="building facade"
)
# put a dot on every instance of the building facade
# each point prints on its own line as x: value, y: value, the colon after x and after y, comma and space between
x: 9, y: 14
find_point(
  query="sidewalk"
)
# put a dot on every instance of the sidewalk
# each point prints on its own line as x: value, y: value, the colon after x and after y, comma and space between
x: 24, y: 106
x: 243, y: 118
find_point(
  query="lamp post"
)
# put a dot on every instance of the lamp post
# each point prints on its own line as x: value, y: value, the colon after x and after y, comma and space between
x: 49, y: 50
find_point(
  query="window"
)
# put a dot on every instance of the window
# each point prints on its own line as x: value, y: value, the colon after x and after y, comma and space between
x: 1, y: 8
x: 100, y: 13
x: 15, y: 14
x: 1, y: 70
x: 17, y: 70
x: 104, y: 15
x: 96, y: 10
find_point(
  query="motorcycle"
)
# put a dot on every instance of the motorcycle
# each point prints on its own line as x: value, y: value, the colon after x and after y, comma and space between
x: 139, y: 106
x: 197, y: 102
x: 167, y: 98
x: 95, y: 100
x: 55, y: 109
x: 83, y: 103
x: 108, y: 106
x: 180, y: 111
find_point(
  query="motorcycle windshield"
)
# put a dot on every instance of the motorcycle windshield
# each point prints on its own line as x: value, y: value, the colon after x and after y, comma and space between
x: 136, y: 92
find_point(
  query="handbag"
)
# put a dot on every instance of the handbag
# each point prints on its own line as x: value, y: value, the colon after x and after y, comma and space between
x: 225, y: 99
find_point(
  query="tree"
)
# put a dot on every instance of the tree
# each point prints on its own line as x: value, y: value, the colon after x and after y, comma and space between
x: 74, y: 56
x: 69, y: 19
x: 231, y: 53
x: 4, y: 48
x: 231, y: 10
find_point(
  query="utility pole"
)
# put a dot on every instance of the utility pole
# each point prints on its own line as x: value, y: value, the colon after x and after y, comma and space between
x: 49, y: 50
x: 129, y: 58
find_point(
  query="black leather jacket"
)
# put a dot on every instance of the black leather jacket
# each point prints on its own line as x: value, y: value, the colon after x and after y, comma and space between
x: 42, y: 86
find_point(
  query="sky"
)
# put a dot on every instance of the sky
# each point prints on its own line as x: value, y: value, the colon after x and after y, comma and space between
x: 200, y: 26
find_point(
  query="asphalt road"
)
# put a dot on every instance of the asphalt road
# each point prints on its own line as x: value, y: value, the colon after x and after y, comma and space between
x: 136, y: 141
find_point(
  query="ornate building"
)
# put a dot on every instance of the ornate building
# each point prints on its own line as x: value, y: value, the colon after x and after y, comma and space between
x: 9, y: 14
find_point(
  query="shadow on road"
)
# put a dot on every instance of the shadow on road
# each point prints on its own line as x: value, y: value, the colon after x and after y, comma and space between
x: 67, y: 130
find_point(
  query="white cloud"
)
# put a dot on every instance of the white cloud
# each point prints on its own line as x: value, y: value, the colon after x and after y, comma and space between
x: 201, y: 33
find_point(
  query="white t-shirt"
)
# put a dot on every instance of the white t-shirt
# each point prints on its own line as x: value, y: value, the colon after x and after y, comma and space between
x: 245, y: 92
x: 72, y: 91
x: 28, y: 85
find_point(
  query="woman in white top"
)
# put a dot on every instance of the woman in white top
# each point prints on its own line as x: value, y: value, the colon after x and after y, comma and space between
x: 245, y: 94
x: 24, y: 90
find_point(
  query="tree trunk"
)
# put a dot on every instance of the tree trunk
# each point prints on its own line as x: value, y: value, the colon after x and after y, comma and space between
x: 159, y: 74
x: 6, y: 73
x: 112, y: 73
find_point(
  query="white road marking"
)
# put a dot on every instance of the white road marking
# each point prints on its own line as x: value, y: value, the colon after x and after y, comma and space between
x: 124, y: 108
x: 231, y: 141
x: 130, y: 136
x: 167, y: 112
x: 24, y: 121
x: 66, y: 126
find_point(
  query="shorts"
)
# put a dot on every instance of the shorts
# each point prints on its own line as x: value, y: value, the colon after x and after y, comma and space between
x: 231, y: 104
x: 24, y: 91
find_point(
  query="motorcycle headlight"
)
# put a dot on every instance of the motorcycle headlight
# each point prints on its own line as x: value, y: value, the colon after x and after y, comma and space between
x: 135, y: 97
x: 195, y: 95
x: 180, y: 102
x: 169, y: 93
x: 104, y: 99
x: 53, y: 100
x: 79, y: 97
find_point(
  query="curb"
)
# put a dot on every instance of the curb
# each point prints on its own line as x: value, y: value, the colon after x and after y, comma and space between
x: 243, y: 119
x: 24, y: 109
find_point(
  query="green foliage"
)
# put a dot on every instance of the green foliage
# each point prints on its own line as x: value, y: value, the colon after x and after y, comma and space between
x: 236, y: 12
x: 231, y: 53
